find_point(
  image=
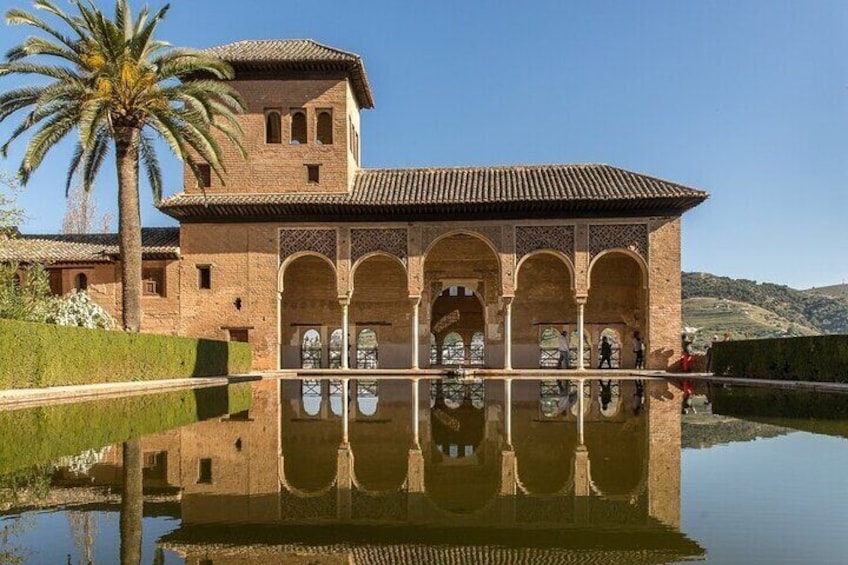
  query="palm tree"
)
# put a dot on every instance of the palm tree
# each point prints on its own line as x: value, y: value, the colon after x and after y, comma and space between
x: 113, y: 83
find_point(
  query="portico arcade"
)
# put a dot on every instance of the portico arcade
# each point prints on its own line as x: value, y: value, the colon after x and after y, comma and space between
x: 508, y: 287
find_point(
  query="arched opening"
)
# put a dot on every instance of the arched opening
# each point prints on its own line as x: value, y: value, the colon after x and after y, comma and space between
x: 453, y: 350
x: 549, y: 348
x: 273, y: 127
x: 380, y: 303
x: 367, y: 396
x: 617, y: 299
x: 366, y: 349
x: 434, y: 350
x: 462, y: 286
x: 324, y: 128
x: 543, y: 301
x: 309, y: 445
x: 609, y: 397
x: 574, y: 347
x: 461, y: 467
x: 310, y: 396
x: 617, y: 455
x: 336, y: 390
x: 298, y: 127
x: 310, y: 350
x: 543, y: 450
x: 81, y: 282
x: 334, y: 351
x: 308, y: 301
x: 613, y: 339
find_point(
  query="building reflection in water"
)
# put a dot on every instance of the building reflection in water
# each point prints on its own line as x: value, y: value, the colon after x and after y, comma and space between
x: 344, y: 467
x: 421, y: 471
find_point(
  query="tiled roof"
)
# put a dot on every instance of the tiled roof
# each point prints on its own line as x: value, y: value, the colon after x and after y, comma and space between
x: 456, y: 193
x: 86, y: 248
x: 303, y: 54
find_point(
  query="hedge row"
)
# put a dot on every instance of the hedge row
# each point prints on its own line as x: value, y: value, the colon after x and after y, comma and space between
x: 816, y: 412
x: 38, y: 436
x: 817, y: 358
x: 42, y: 355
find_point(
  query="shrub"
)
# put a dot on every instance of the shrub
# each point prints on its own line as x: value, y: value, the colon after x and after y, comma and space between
x: 815, y: 358
x: 78, y: 309
x: 41, y: 355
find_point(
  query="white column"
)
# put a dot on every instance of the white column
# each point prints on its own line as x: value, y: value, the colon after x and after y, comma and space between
x: 507, y: 332
x: 415, y: 414
x: 345, y: 336
x: 345, y: 410
x: 580, y: 336
x: 508, y: 411
x: 581, y: 405
x: 415, y: 337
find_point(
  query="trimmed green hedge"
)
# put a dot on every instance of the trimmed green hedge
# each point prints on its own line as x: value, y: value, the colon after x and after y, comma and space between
x: 37, y: 436
x: 42, y: 355
x: 817, y: 358
x: 816, y: 412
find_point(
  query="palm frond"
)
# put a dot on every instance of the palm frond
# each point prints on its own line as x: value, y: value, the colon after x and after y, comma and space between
x: 151, y: 166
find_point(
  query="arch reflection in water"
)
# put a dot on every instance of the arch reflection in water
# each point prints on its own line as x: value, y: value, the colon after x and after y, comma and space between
x: 543, y: 479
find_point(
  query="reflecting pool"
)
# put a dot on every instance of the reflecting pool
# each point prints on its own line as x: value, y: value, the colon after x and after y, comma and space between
x: 423, y: 471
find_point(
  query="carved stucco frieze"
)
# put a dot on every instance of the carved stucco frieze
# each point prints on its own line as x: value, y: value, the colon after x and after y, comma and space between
x: 618, y: 236
x: 533, y: 238
x: 315, y: 240
x: 387, y: 240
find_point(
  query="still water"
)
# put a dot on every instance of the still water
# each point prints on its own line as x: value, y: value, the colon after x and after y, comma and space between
x: 401, y: 471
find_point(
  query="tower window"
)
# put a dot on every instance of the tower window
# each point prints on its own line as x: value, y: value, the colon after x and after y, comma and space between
x: 298, y: 127
x: 273, y: 128
x: 324, y: 129
x: 204, y: 175
x: 204, y: 471
x: 313, y: 174
x: 204, y: 277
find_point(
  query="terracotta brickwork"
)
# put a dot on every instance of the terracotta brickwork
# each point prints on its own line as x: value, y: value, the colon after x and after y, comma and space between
x: 281, y: 167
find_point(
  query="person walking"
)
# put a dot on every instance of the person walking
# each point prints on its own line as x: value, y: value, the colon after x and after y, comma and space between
x: 606, y: 353
x: 563, y: 347
x: 639, y: 350
x: 606, y: 394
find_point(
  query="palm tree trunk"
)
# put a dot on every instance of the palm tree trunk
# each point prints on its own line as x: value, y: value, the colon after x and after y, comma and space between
x: 129, y: 225
x: 132, y: 504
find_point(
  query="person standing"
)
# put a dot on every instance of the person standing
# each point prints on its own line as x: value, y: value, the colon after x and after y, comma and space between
x: 563, y: 347
x: 606, y: 353
x: 639, y: 350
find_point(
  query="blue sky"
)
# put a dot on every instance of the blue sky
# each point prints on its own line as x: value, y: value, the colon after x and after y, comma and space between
x: 748, y: 100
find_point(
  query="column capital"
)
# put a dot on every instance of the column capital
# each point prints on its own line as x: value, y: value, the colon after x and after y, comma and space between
x: 507, y: 300
x: 415, y: 299
x: 581, y: 299
x: 344, y: 300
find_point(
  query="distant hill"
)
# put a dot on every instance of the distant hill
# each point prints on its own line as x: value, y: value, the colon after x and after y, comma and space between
x: 835, y: 291
x: 749, y: 309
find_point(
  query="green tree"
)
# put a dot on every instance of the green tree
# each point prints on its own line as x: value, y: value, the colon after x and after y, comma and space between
x: 10, y: 215
x: 117, y: 86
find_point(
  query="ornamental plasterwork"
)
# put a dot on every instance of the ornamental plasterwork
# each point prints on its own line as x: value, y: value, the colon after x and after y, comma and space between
x: 368, y: 240
x: 316, y: 240
x: 533, y: 238
x: 491, y: 233
x: 618, y: 236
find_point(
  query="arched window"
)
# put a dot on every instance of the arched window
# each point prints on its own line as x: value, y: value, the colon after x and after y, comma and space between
x: 367, y: 397
x: 324, y: 128
x: 310, y: 393
x: 273, y: 128
x: 615, y: 344
x: 298, y: 127
x: 549, y: 349
x: 336, y: 391
x: 453, y: 349
x: 587, y: 349
x: 310, y: 350
x: 366, y: 349
x: 81, y: 282
x: 477, y: 351
x: 335, y: 349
